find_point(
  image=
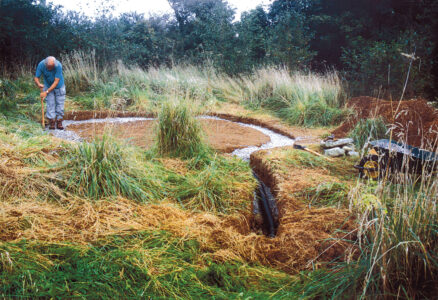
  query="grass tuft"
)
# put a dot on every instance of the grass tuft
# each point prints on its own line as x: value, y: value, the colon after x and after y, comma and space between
x: 103, y: 169
x: 178, y: 132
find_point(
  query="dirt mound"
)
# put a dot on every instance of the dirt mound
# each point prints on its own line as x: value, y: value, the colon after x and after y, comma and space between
x: 222, y: 135
x: 413, y: 121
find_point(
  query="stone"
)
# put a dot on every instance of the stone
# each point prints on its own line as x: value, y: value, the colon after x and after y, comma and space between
x: 337, y: 143
x: 334, y: 152
x: 353, y: 154
x: 348, y: 148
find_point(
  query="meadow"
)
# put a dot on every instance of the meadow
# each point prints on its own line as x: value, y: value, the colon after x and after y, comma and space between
x: 103, y: 219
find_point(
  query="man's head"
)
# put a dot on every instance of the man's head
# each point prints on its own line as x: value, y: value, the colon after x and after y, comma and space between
x: 50, y: 63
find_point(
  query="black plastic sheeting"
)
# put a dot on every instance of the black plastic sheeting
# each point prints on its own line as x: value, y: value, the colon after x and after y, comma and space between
x: 264, y: 203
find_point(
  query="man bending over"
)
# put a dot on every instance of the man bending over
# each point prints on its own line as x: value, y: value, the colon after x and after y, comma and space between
x: 53, y: 90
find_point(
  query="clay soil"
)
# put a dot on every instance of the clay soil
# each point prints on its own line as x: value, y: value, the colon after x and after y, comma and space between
x: 413, y: 121
x: 223, y: 136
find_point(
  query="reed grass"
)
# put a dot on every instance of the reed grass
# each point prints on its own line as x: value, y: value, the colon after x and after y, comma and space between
x: 103, y: 169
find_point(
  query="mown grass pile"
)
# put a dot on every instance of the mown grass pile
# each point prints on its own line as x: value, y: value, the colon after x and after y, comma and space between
x: 146, y: 264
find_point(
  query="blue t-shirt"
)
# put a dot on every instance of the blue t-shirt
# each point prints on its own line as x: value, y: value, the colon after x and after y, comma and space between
x: 49, y: 76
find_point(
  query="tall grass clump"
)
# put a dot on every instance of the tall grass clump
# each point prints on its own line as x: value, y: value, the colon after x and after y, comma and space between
x: 178, y: 132
x: 300, y: 99
x: 103, y: 169
x: 367, y: 130
x: 80, y: 70
x: 398, y: 237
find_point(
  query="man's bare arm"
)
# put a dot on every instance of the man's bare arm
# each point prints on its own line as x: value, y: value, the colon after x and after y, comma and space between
x: 51, y: 88
x: 38, y: 83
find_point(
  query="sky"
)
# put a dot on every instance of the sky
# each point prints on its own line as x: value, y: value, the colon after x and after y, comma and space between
x: 145, y: 6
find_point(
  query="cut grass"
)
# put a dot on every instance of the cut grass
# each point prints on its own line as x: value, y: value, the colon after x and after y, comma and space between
x: 326, y: 194
x: 145, y: 264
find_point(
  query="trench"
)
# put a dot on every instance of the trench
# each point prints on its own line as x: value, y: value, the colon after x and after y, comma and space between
x: 264, y: 206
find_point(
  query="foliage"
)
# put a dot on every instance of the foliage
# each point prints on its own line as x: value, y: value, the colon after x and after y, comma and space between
x: 368, y: 130
x: 364, y: 41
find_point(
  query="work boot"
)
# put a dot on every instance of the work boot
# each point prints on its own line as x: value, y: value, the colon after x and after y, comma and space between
x: 59, y: 124
x: 51, y: 124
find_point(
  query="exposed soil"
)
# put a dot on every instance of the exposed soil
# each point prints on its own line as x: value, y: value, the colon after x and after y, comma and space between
x: 413, y: 121
x: 101, y: 114
x: 222, y: 135
x: 303, y: 135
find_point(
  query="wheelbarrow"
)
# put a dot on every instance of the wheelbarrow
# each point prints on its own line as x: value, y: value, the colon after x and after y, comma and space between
x: 389, y: 157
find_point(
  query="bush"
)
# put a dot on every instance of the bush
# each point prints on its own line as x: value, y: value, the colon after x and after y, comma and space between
x: 367, y: 130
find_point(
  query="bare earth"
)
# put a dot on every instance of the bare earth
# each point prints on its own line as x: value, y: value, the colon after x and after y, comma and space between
x: 223, y: 136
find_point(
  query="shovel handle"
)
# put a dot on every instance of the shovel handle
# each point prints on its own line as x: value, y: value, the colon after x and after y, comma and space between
x: 42, y: 113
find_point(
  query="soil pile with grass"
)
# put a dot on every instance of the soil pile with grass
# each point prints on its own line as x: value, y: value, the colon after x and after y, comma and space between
x: 413, y: 121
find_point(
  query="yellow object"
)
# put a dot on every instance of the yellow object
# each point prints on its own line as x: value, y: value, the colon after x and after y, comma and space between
x: 373, y: 152
x: 371, y: 164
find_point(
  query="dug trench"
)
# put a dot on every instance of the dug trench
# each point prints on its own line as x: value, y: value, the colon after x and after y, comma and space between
x: 225, y: 134
x: 305, y: 237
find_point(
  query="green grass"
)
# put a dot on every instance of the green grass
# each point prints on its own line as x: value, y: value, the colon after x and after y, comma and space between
x: 300, y: 99
x: 368, y: 130
x: 103, y: 168
x: 398, y: 235
x: 178, y: 132
x: 141, y: 265
x: 326, y: 194
x: 211, y: 187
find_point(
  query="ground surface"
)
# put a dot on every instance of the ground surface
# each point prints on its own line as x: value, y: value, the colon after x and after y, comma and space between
x: 413, y: 121
x: 223, y: 136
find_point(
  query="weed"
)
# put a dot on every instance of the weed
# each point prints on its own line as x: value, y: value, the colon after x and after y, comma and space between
x: 398, y: 237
